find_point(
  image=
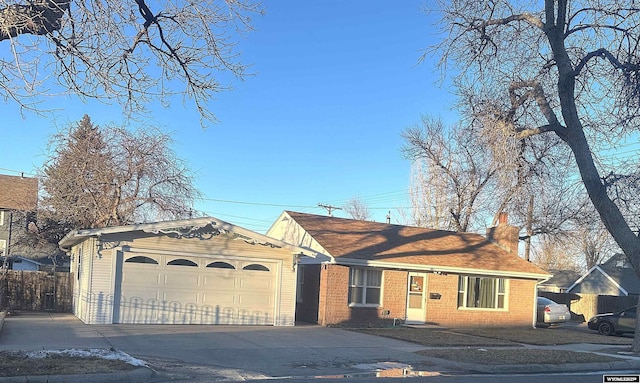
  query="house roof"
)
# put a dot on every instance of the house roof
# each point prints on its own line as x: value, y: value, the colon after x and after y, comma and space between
x: 18, y: 193
x: 352, y: 241
x: 562, y: 278
x: 180, y: 227
x: 18, y: 257
x: 622, y: 277
x: 625, y: 278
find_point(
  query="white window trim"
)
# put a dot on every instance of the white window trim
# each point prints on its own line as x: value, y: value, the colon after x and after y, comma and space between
x: 497, y: 281
x: 3, y: 246
x: 1, y: 217
x: 365, y: 287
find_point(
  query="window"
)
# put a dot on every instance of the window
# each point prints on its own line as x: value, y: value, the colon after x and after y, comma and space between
x: 79, y: 262
x: 300, y: 289
x: 481, y: 292
x: 142, y: 259
x: 1, y: 217
x: 255, y: 267
x: 221, y: 265
x: 181, y: 262
x: 3, y: 246
x: 364, y: 286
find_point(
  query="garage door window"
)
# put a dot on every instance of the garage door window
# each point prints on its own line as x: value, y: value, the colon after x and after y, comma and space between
x: 221, y: 265
x: 255, y: 267
x: 142, y: 259
x: 181, y: 262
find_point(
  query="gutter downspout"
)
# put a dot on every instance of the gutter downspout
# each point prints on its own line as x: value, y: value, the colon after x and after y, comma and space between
x: 535, y: 301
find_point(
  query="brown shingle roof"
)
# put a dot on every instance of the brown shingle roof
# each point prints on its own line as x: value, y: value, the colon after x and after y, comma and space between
x: 18, y: 193
x: 373, y: 241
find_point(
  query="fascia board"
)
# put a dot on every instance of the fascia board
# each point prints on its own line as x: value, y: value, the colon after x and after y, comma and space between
x: 77, y: 236
x: 579, y: 280
x: 604, y: 273
x: 616, y: 284
x: 442, y: 269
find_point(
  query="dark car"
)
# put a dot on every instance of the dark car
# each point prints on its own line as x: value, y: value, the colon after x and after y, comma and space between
x: 614, y: 323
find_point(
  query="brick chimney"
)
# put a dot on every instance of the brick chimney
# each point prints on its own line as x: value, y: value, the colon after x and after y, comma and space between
x: 504, y: 235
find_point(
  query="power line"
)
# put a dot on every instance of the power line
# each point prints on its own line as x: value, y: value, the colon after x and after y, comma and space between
x: 18, y: 172
x: 255, y: 203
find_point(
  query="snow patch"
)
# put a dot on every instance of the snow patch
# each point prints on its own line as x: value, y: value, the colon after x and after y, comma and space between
x: 90, y: 353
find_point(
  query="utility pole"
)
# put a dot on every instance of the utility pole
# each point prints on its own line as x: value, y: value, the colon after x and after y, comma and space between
x: 329, y: 208
x: 527, y: 243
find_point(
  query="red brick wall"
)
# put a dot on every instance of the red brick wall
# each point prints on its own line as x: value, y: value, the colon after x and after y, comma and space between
x: 334, y: 309
x: 445, y: 311
x: 394, y: 290
x: 333, y: 306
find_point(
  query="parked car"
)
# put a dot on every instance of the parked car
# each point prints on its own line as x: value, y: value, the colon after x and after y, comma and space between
x: 614, y: 323
x: 550, y: 312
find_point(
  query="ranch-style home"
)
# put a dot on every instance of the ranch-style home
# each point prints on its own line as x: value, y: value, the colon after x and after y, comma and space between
x: 196, y: 271
x: 369, y: 272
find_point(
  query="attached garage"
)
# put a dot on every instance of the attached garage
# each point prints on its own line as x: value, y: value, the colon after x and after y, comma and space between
x: 200, y: 271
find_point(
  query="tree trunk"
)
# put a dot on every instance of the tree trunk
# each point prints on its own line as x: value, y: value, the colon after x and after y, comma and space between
x: 574, y: 136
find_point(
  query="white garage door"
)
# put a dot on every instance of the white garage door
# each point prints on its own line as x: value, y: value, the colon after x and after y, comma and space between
x: 190, y: 290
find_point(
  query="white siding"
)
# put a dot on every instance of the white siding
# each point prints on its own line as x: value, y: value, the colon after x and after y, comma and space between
x: 101, y: 298
x: 102, y: 274
x: 81, y: 264
x: 288, y: 230
x: 288, y: 284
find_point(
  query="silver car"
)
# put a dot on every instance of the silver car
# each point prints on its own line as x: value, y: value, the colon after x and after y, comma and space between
x: 550, y: 312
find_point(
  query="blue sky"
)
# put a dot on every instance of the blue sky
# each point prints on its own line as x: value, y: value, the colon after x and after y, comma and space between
x: 335, y: 84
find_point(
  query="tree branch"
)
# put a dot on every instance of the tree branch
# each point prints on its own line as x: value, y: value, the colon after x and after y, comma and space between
x: 37, y: 18
x: 625, y: 67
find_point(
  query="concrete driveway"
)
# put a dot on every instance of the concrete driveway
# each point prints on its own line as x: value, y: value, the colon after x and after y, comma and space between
x: 266, y: 351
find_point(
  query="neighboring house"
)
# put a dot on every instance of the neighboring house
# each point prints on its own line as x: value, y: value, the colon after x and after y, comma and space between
x: 560, y: 282
x: 196, y: 271
x: 613, y: 277
x: 18, y: 198
x: 19, y: 263
x: 374, y: 272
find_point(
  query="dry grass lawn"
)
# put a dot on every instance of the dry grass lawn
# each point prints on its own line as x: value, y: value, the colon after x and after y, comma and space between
x: 546, y: 337
x: 436, y: 337
x: 467, y: 345
x: 514, y: 357
x: 18, y: 363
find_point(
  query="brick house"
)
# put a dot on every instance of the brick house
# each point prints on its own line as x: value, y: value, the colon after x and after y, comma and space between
x: 371, y: 273
x: 18, y: 199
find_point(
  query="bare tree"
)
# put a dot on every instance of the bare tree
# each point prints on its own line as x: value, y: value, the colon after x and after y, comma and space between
x: 356, y: 208
x: 451, y: 171
x: 546, y: 254
x: 130, y: 52
x: 568, y: 69
x: 596, y: 247
x: 591, y: 241
x: 98, y: 177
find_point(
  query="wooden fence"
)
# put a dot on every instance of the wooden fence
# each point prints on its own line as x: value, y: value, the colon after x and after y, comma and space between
x: 584, y: 306
x: 36, y: 291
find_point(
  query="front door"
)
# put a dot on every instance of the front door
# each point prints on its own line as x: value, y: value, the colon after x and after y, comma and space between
x: 416, y: 303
